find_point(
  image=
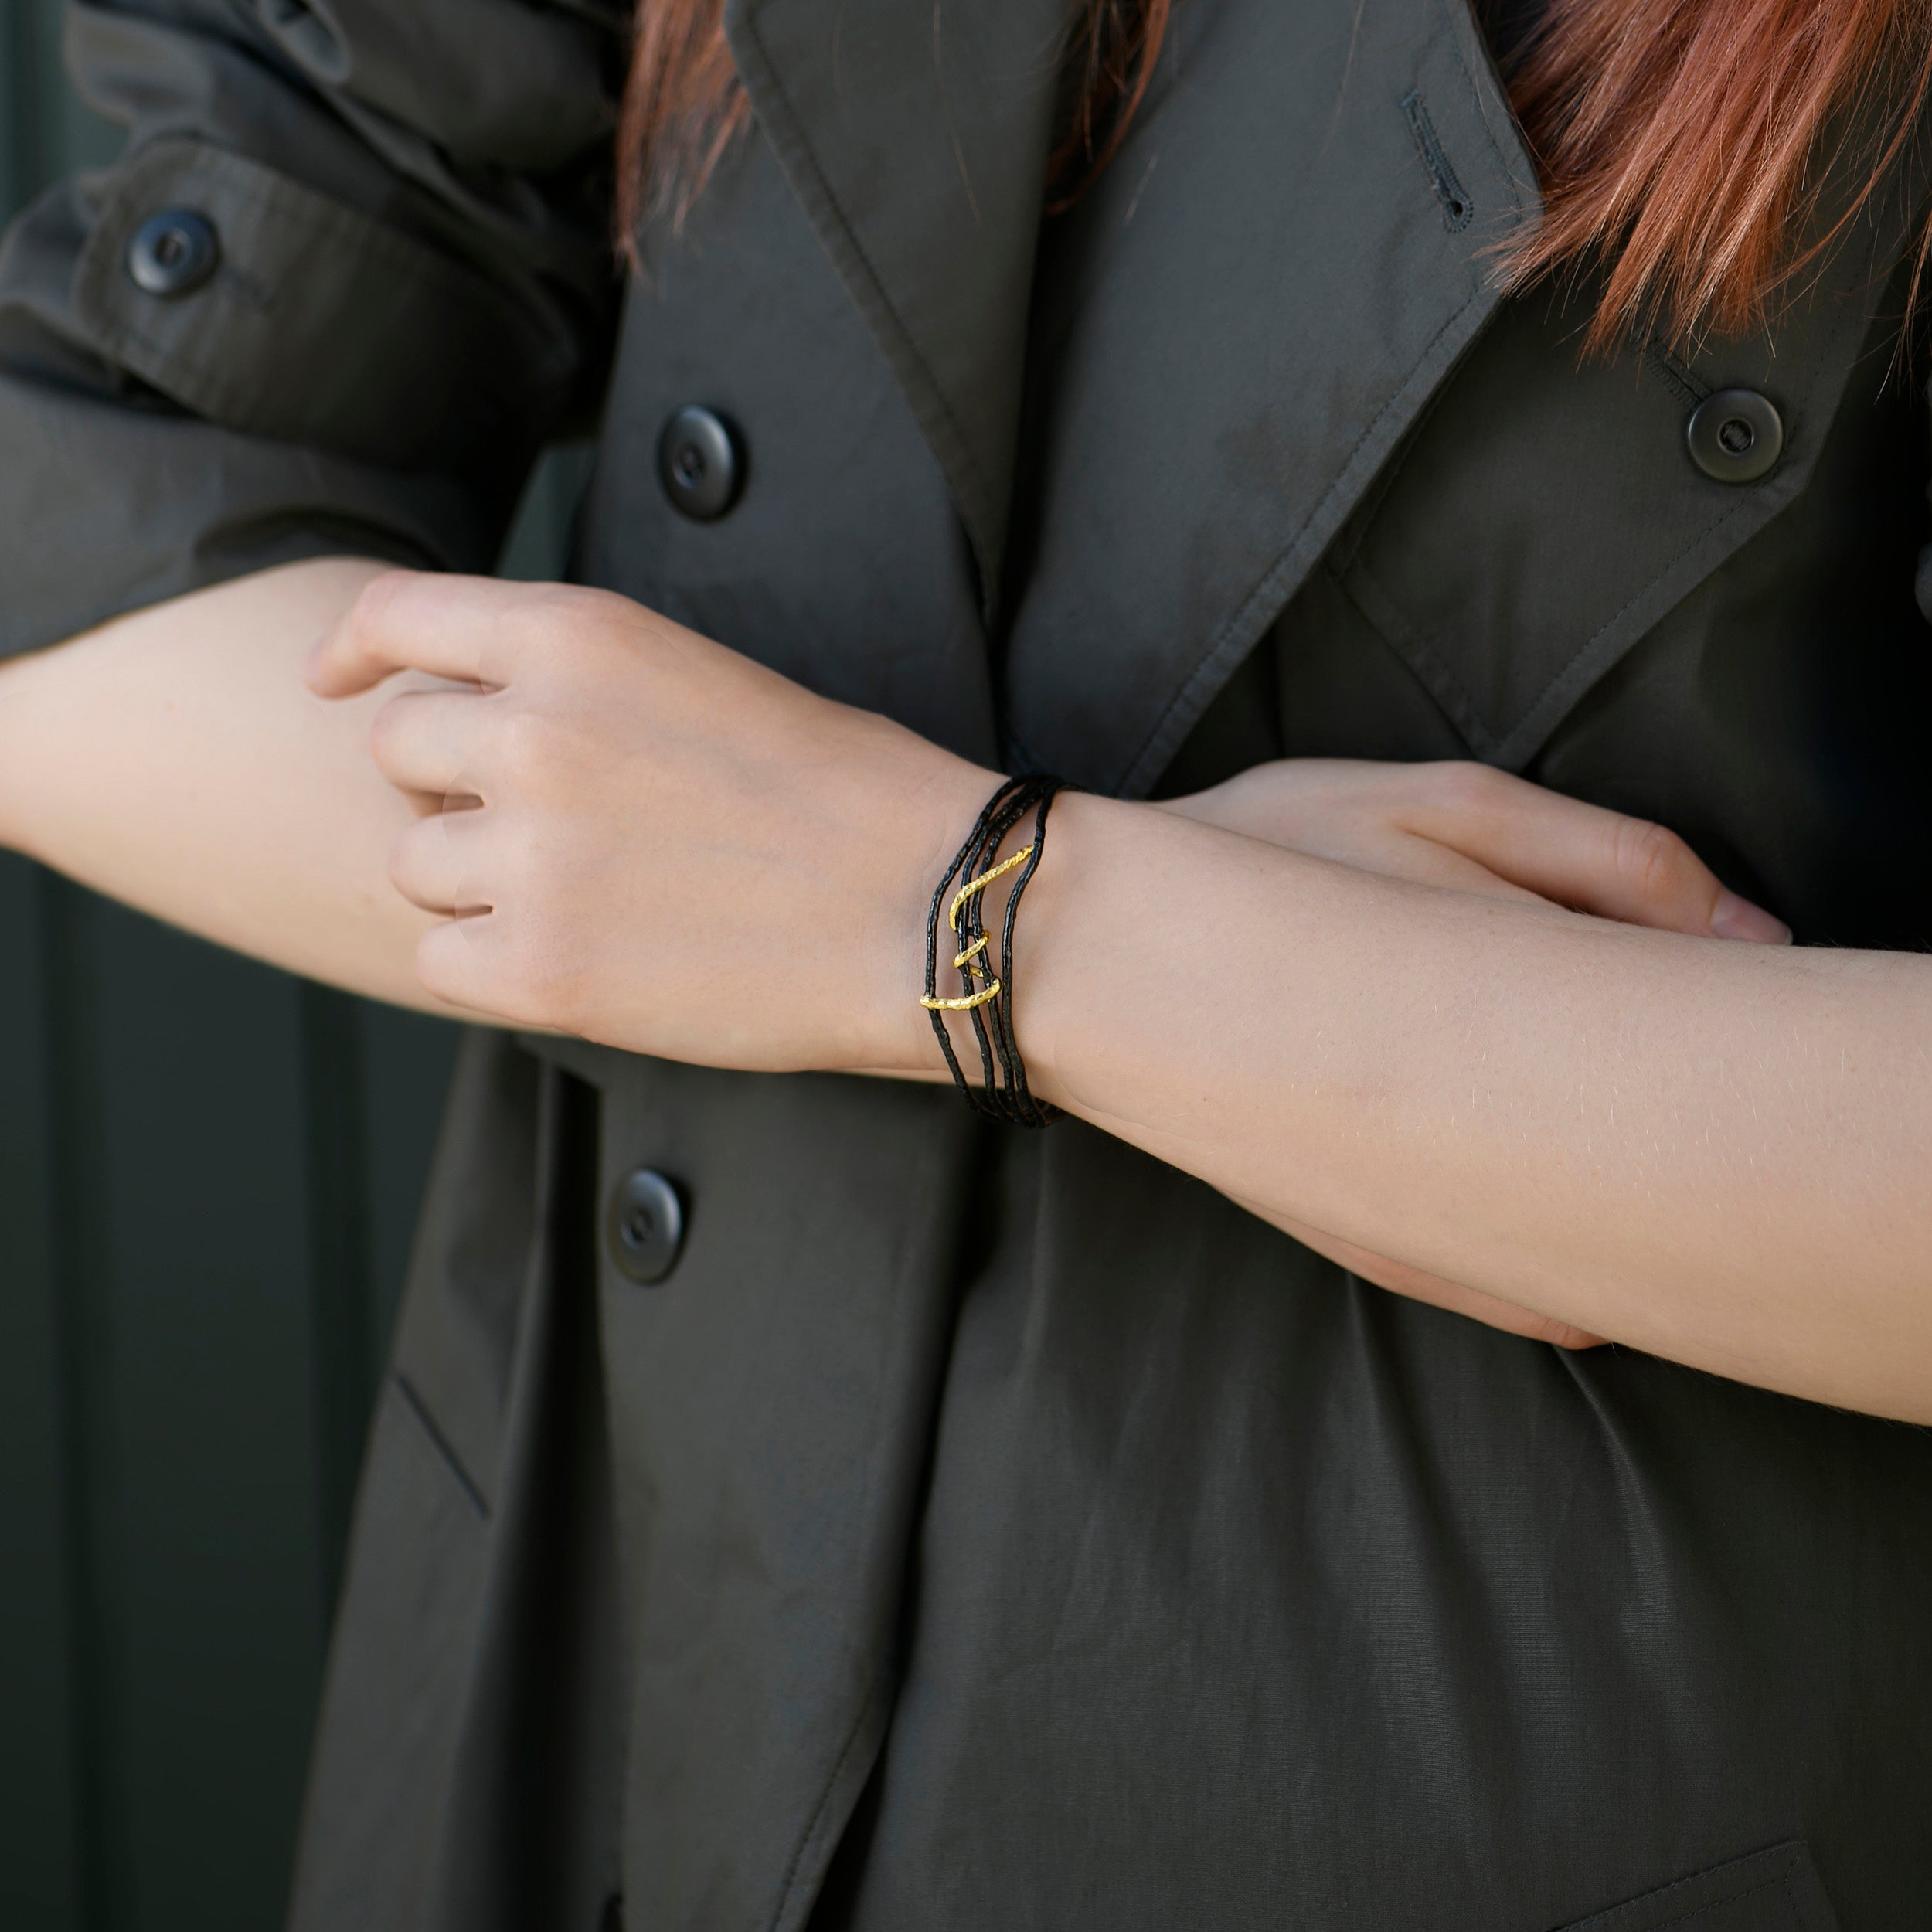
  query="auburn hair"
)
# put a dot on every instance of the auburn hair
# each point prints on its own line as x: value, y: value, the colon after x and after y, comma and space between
x: 1682, y: 144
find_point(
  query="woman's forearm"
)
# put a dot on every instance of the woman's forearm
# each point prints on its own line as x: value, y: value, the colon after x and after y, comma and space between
x: 175, y: 759
x: 1720, y: 1153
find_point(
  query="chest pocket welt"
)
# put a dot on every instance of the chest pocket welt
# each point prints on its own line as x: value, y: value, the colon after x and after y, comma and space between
x: 1548, y: 511
x: 1776, y: 1890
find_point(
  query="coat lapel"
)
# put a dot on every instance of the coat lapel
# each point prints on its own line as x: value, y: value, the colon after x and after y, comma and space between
x: 1233, y: 333
x: 1239, y: 324
x: 916, y: 138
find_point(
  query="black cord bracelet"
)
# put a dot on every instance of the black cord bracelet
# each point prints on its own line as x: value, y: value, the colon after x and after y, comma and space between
x: 986, y: 978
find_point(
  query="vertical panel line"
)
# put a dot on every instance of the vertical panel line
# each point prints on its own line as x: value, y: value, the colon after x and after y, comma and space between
x: 84, y: 1344
x: 342, y: 1298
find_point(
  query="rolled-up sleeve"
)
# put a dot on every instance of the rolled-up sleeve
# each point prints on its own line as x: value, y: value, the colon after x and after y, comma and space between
x: 349, y: 274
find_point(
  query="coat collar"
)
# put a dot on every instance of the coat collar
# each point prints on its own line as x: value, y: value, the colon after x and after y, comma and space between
x: 1303, y: 215
x: 916, y: 138
x: 1246, y: 318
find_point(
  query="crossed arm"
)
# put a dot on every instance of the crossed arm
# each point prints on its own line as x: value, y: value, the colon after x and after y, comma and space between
x: 1339, y: 993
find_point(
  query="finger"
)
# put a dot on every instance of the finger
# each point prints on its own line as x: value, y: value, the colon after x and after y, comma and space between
x: 1427, y: 862
x: 433, y: 742
x: 473, y: 962
x: 410, y: 620
x: 1581, y: 855
x: 1363, y: 838
x: 443, y: 863
x: 1399, y: 1278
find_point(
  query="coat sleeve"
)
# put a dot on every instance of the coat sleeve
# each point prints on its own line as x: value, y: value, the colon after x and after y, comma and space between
x: 403, y: 287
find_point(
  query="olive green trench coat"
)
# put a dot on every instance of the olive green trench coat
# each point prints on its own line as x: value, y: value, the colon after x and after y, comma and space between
x: 975, y: 1529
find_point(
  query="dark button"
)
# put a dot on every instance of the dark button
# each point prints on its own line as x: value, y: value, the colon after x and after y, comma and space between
x: 173, y: 253
x: 645, y: 1225
x: 1735, y: 436
x: 698, y: 463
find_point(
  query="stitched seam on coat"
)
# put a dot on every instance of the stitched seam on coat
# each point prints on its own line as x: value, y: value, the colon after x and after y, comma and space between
x: 1465, y: 717
x: 1778, y: 490
x: 1465, y: 731
x: 1650, y: 1900
x: 1228, y: 633
x: 1423, y: 662
x: 1789, y: 478
x: 1466, y: 699
x: 801, y: 152
x: 1710, y: 1905
x: 1454, y: 698
x: 1231, y: 627
x: 810, y: 1832
x: 1558, y: 692
x: 440, y: 1442
x: 1359, y: 525
x: 1751, y: 1892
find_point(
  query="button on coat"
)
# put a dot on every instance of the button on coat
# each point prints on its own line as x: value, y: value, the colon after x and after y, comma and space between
x: 699, y: 464
x: 1735, y: 436
x: 174, y: 253
x: 644, y: 1226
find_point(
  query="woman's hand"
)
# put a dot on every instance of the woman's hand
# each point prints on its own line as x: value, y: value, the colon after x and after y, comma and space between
x: 636, y: 835
x: 1469, y: 828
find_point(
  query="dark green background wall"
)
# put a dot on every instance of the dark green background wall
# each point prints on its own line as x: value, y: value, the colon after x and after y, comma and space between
x: 208, y: 1176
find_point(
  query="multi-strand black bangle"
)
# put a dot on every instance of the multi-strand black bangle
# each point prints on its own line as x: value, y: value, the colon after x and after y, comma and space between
x: 986, y: 979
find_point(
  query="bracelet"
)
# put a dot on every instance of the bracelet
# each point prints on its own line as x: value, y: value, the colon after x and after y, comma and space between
x: 986, y: 979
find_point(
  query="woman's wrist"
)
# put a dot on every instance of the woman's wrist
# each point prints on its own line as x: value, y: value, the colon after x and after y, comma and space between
x: 1060, y: 961
x: 920, y: 819
x: 1045, y: 966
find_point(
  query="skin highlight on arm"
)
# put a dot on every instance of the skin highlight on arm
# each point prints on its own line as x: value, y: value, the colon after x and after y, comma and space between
x: 1716, y: 1153
x: 173, y: 759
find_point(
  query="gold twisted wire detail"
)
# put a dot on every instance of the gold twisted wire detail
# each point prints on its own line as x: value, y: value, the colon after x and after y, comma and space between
x: 980, y: 884
x: 966, y: 1005
x: 968, y: 960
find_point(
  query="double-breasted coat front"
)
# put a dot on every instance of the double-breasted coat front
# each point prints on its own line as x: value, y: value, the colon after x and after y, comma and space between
x: 970, y: 1529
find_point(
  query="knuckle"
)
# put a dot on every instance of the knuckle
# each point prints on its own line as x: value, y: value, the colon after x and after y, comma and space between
x: 1651, y: 857
x: 561, y: 619
x: 378, y: 598
x: 526, y: 745
x: 1466, y: 784
x: 544, y: 628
